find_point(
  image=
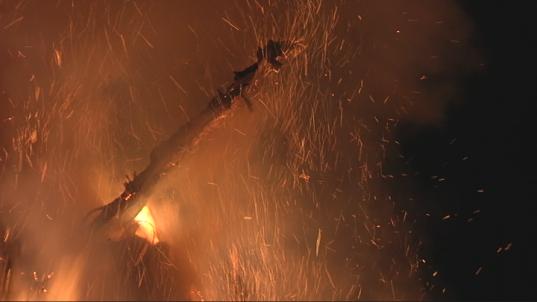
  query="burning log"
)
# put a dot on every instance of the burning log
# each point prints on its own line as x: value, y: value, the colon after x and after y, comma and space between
x: 119, y: 214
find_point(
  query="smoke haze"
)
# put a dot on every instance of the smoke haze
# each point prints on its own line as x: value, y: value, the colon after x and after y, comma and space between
x: 289, y: 201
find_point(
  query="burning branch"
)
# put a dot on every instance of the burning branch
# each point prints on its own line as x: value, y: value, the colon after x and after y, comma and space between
x: 122, y: 210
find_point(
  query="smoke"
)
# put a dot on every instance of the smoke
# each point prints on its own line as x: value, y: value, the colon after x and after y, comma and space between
x: 286, y: 202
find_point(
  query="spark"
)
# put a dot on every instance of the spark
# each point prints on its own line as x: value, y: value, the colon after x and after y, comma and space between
x: 230, y: 24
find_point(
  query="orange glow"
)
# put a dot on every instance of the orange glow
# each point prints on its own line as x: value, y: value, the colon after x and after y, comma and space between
x: 146, y: 226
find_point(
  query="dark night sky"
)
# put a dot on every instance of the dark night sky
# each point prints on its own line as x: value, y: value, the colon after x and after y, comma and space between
x: 493, y: 126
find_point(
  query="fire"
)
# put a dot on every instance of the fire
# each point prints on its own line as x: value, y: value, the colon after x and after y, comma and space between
x: 146, y: 226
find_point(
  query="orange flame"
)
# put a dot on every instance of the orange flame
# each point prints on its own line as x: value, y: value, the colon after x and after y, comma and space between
x: 146, y: 226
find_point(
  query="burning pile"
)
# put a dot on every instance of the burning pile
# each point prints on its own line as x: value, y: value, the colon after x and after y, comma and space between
x: 285, y: 201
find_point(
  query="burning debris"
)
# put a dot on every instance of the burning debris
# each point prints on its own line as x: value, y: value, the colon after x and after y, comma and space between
x: 120, y: 212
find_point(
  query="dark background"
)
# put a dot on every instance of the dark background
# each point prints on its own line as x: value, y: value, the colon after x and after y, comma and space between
x: 478, y: 166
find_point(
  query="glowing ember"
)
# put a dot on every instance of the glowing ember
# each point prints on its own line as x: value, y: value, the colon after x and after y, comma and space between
x: 146, y: 226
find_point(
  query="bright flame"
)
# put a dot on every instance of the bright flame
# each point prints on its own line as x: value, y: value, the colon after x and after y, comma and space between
x: 146, y: 226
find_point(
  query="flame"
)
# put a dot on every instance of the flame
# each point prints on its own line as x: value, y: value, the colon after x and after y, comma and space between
x: 65, y: 281
x: 146, y: 226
